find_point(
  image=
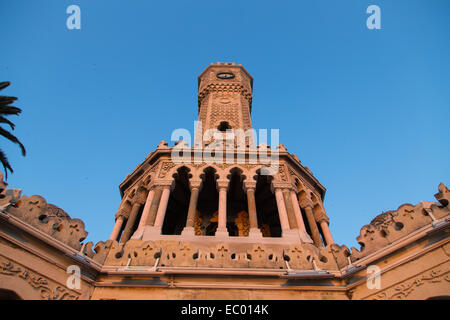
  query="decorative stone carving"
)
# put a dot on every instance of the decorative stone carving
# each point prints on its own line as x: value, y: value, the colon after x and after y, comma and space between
x: 101, y: 250
x: 198, y: 224
x: 262, y: 257
x: 443, y: 196
x: 50, y: 219
x: 403, y: 290
x: 393, y: 225
x: 242, y: 223
x: 165, y: 168
x: 47, y: 289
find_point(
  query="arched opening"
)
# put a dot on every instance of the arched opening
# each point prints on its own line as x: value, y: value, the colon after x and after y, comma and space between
x: 206, y: 219
x: 223, y: 126
x: 306, y: 222
x: 266, y: 207
x: 178, y: 205
x: 237, y: 205
x: 439, y: 298
x: 9, y: 295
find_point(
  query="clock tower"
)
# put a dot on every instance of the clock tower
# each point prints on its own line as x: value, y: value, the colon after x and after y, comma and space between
x: 224, y: 99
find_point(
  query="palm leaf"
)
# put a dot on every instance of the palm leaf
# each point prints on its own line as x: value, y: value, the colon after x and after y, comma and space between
x: 5, y: 163
x: 4, y: 120
x: 7, y: 109
x: 13, y: 138
x: 4, y: 84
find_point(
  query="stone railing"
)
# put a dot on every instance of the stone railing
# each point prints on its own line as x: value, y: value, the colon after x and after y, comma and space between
x: 224, y: 255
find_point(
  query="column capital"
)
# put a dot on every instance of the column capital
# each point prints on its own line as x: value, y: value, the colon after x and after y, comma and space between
x: 195, y: 184
x: 222, y: 184
x: 321, y: 217
x: 151, y: 185
x: 305, y: 203
x: 279, y: 185
x: 122, y: 213
x: 249, y: 185
x: 164, y: 184
x: 140, y: 199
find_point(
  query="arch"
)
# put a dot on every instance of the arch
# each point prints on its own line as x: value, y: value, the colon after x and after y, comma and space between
x: 438, y: 298
x: 178, y: 205
x: 237, y: 204
x: 224, y: 126
x: 266, y: 206
x: 17, y: 287
x: 208, y: 203
x: 9, y: 295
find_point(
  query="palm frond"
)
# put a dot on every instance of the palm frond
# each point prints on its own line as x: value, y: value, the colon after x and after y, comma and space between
x: 6, y: 110
x: 13, y: 138
x: 4, y: 84
x: 7, y: 99
x: 5, y: 163
x: 4, y: 120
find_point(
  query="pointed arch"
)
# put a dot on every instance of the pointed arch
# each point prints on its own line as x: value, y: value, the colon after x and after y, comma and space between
x: 266, y: 206
x: 178, y: 204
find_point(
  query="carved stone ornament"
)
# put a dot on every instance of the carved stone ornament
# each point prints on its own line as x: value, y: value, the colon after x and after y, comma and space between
x: 48, y: 290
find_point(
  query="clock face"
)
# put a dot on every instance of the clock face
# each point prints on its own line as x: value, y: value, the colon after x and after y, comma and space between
x: 225, y: 75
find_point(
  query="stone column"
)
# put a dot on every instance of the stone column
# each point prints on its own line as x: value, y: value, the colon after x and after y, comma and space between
x: 252, y: 216
x: 153, y: 207
x: 130, y: 222
x: 146, y: 211
x: 282, y: 210
x: 289, y: 209
x: 306, y: 204
x: 326, y: 232
x: 322, y: 219
x: 222, y: 230
x: 162, y: 207
x: 117, y: 227
x: 298, y: 217
x: 195, y: 190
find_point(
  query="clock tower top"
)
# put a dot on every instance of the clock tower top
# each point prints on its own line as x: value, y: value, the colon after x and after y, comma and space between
x: 225, y: 97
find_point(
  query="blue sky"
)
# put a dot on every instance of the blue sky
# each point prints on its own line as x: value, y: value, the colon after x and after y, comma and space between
x: 365, y: 110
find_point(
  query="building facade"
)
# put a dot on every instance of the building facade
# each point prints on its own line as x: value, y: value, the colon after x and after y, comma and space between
x: 223, y: 218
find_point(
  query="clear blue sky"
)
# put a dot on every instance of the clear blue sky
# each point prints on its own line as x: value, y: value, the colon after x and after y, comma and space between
x: 366, y: 110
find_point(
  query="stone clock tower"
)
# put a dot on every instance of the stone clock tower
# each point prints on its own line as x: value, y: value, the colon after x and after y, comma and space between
x: 225, y: 97
x: 226, y: 203
x: 201, y: 229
